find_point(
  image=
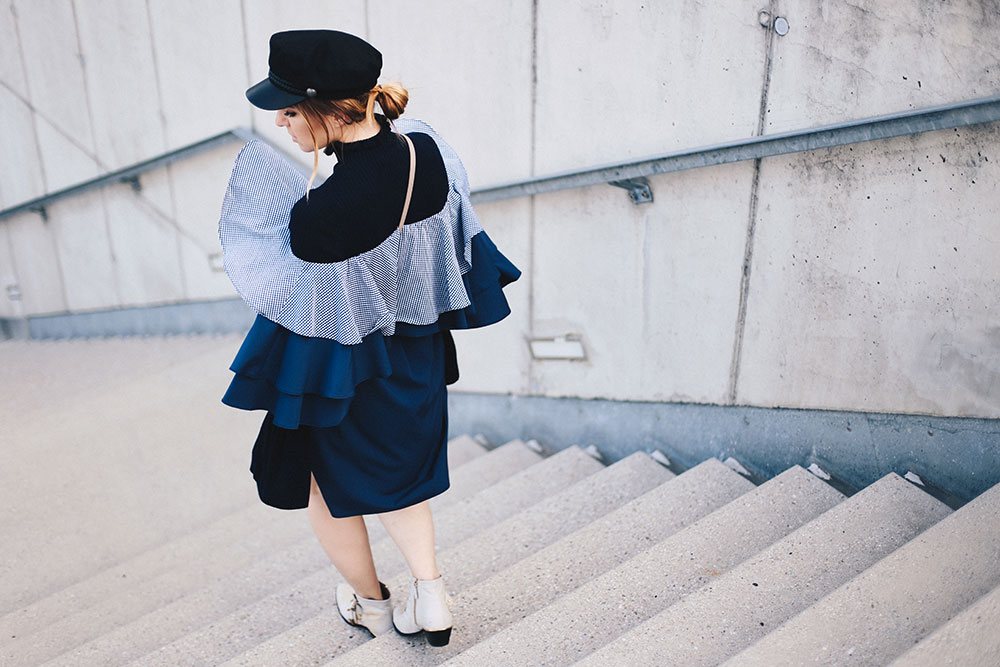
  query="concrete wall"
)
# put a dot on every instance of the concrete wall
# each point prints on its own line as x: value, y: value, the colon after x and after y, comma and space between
x: 870, y: 269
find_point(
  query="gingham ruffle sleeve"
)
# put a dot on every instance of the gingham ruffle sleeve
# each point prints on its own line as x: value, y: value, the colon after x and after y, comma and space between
x: 413, y: 277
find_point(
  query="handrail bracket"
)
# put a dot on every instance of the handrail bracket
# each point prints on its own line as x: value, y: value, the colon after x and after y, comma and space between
x: 133, y: 180
x: 638, y: 189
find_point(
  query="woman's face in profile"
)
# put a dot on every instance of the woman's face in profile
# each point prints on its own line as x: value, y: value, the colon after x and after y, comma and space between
x: 298, y: 129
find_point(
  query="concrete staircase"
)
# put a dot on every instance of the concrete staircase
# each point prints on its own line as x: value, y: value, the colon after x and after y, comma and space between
x: 550, y: 558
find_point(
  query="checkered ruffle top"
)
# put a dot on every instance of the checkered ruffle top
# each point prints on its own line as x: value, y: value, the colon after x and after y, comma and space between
x: 413, y: 276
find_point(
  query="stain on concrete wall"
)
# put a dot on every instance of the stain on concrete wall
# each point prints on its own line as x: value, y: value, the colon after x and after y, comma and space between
x: 874, y: 266
x: 844, y: 60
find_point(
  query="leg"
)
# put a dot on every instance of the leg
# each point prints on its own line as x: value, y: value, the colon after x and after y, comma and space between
x: 412, y: 529
x: 427, y: 608
x: 346, y: 543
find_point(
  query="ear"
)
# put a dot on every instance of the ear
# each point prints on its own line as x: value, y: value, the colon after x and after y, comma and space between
x: 332, y: 119
x: 333, y: 125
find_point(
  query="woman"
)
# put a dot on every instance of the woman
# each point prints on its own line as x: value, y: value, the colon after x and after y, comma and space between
x: 357, y: 284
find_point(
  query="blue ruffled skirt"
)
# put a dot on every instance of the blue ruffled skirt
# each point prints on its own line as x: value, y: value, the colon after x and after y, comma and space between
x: 368, y: 421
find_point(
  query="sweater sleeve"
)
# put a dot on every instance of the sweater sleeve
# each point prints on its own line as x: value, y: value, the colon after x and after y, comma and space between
x: 311, y: 240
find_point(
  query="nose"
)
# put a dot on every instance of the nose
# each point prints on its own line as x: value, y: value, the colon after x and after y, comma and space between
x: 279, y: 119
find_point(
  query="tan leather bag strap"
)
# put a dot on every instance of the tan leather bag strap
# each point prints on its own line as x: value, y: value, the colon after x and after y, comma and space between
x: 409, y: 185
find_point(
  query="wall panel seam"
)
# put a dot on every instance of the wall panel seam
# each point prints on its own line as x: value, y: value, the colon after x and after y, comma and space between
x: 18, y: 311
x: 70, y: 139
x: 246, y: 50
x: 178, y: 232
x: 115, y: 277
x: 532, y: 385
x: 156, y: 76
x: 27, y: 88
x: 86, y: 88
x: 737, y: 355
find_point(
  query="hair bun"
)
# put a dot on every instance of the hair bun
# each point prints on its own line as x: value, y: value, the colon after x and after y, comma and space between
x: 392, y: 97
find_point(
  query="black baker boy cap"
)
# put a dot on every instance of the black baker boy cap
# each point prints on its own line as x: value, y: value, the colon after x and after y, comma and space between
x: 318, y: 64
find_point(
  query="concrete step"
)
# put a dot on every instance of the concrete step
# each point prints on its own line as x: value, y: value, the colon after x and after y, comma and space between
x: 112, y: 598
x: 244, y: 627
x: 602, y: 609
x: 480, y: 556
x: 138, y: 460
x: 158, y: 577
x: 462, y: 449
x: 968, y: 640
x: 730, y: 613
x: 120, y: 578
x: 484, y: 471
x: 537, y: 580
x: 45, y: 375
x: 227, y: 538
x: 898, y: 601
x: 547, y: 522
x: 136, y: 634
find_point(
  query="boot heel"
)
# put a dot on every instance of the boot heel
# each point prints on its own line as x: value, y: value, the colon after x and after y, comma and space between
x: 438, y: 637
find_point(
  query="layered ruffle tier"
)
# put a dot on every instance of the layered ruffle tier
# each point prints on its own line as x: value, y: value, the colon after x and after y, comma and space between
x: 305, y: 380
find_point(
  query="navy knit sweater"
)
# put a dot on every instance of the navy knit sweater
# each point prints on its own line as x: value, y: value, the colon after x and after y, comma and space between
x: 359, y: 205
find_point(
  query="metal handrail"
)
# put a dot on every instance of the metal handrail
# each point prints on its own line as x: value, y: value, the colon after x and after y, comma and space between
x: 131, y: 173
x: 627, y: 174
x: 914, y: 121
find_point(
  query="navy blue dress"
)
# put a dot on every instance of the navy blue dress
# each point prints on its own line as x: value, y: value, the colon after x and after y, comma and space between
x: 350, y: 358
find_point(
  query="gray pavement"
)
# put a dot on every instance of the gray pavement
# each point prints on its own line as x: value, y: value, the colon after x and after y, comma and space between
x: 112, y: 447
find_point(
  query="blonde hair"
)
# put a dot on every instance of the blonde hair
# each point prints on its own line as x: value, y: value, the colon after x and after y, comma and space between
x: 391, y: 97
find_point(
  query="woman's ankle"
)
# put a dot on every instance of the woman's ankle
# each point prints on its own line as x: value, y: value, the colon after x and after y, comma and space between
x: 377, y: 593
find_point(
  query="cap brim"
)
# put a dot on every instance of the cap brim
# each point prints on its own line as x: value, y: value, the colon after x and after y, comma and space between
x: 265, y: 95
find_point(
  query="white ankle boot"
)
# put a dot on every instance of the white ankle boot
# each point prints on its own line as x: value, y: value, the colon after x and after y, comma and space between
x: 426, y: 609
x: 376, y: 615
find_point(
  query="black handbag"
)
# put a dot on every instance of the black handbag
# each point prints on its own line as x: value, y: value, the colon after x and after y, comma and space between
x: 280, y: 466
